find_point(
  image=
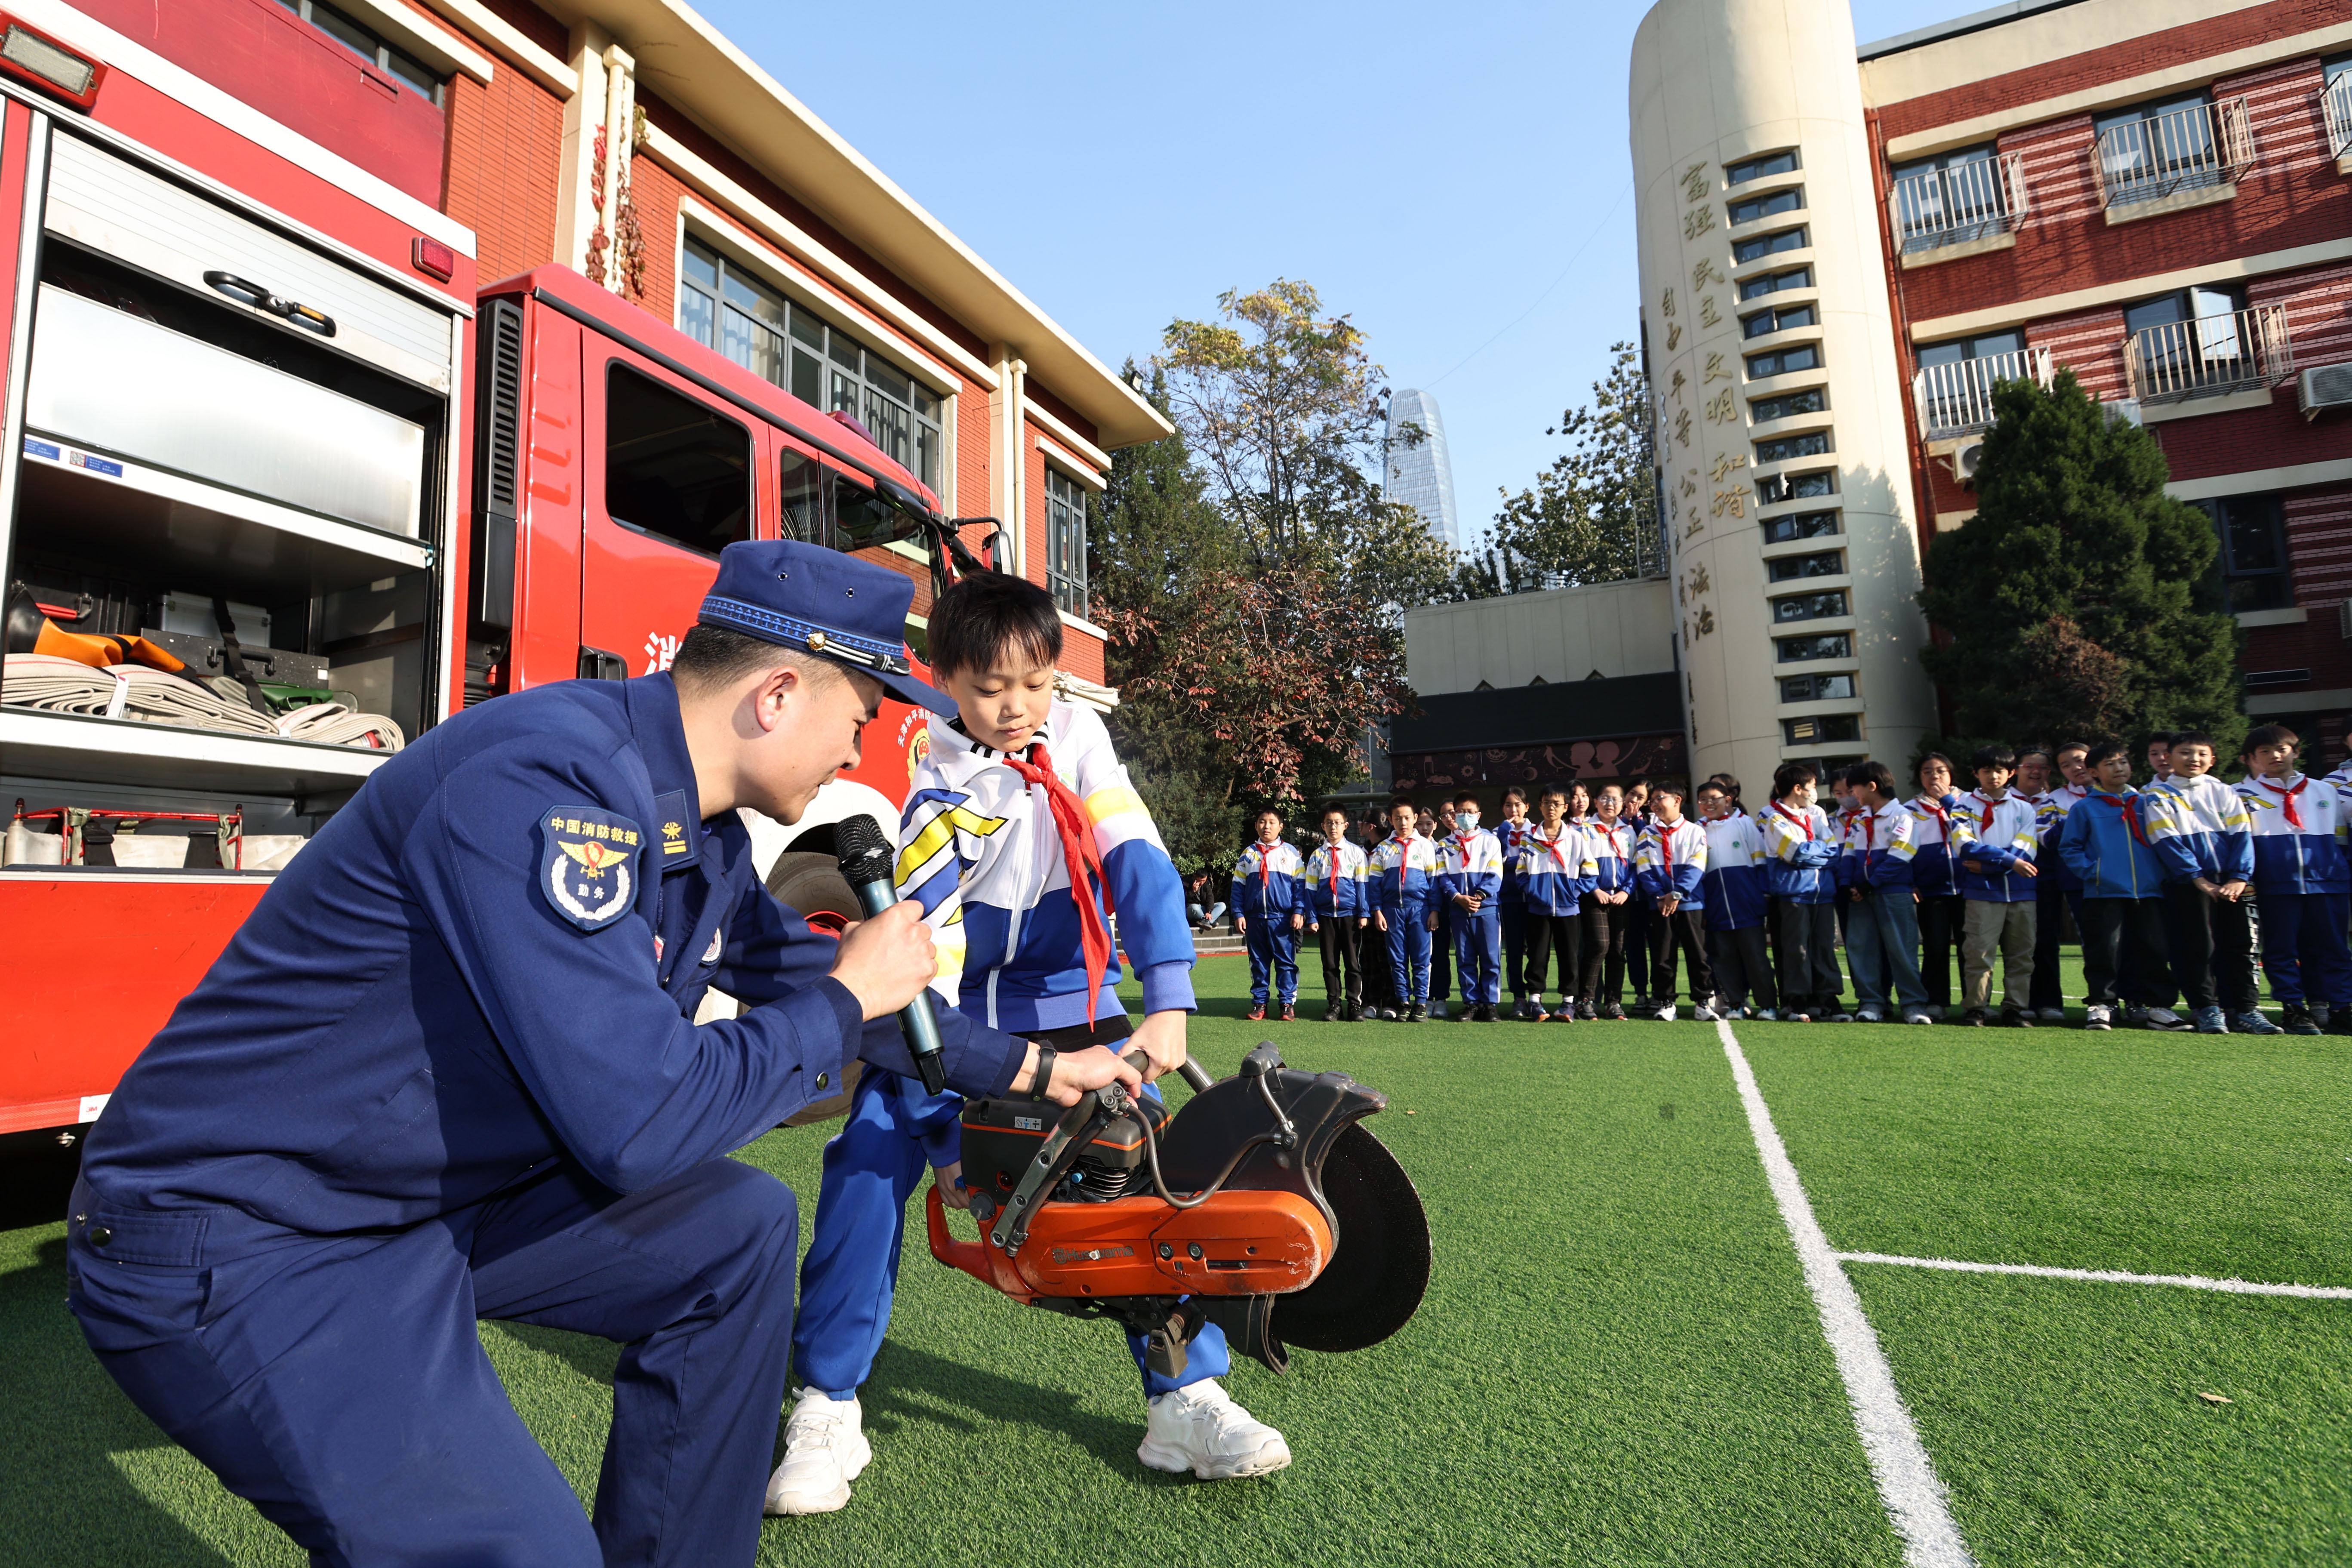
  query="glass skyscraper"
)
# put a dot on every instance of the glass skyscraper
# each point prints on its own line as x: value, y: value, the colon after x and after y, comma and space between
x: 1422, y: 476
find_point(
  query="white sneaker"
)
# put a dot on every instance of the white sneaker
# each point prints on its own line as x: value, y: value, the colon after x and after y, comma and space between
x: 1704, y: 1014
x: 1765, y: 1016
x: 2096, y: 1017
x: 1918, y: 1016
x: 1869, y: 1016
x: 1665, y: 1014
x: 1201, y: 1429
x: 824, y: 1450
x: 1437, y: 1009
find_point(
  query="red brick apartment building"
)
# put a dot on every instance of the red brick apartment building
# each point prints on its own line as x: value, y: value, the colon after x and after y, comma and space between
x: 2157, y: 193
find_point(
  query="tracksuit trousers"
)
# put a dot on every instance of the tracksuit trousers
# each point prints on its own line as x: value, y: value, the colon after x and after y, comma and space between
x: 1273, y: 946
x: 1605, y: 925
x: 2212, y: 941
x: 2304, y: 947
x: 1941, y: 919
x: 1882, y: 946
x: 1682, y: 931
x: 1409, y: 949
x: 2120, y: 937
x: 1552, y: 938
x: 1343, y: 968
x: 1479, y: 954
x: 1741, y: 964
x: 1991, y: 926
x: 1809, y: 975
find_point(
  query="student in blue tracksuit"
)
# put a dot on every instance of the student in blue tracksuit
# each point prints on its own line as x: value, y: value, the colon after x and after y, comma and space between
x: 1405, y: 865
x: 1269, y: 912
x: 2302, y: 880
x: 1510, y: 904
x: 1556, y: 867
x: 2104, y: 843
x: 1940, y: 911
x: 1670, y: 867
x: 1993, y: 849
x: 1883, y: 936
x: 1469, y: 877
x: 1337, y: 910
x: 2202, y: 832
x: 1607, y: 909
x: 2057, y: 889
x: 1736, y: 891
x: 1801, y: 851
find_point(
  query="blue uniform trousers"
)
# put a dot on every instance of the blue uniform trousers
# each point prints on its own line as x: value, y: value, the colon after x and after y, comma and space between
x: 1273, y: 945
x: 2304, y: 951
x: 872, y: 1166
x: 1409, y: 936
x: 336, y: 1382
x: 1478, y: 955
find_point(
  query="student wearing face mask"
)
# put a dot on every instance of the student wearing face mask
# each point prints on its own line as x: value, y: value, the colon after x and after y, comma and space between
x: 1469, y: 877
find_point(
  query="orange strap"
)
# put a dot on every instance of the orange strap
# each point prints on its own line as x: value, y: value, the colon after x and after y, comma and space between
x: 103, y: 652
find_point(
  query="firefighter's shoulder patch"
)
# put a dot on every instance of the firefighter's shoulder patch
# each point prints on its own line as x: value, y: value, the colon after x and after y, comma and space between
x: 588, y: 863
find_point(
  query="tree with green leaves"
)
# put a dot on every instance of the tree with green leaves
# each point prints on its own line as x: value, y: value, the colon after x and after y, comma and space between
x: 2079, y: 601
x: 1592, y: 515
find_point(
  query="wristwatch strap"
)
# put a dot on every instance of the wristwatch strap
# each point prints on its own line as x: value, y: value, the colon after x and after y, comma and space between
x: 1044, y: 1078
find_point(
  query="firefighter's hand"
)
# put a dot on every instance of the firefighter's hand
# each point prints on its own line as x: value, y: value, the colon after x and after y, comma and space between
x: 886, y: 961
x: 1076, y: 1072
x: 1162, y: 1039
x: 949, y: 1179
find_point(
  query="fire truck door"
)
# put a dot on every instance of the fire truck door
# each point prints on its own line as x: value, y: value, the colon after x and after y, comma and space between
x: 670, y: 484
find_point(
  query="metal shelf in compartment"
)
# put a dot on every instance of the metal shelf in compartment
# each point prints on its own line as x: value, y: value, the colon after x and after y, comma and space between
x: 163, y: 756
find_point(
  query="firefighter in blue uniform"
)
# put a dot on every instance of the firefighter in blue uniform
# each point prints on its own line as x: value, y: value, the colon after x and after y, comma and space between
x: 447, y: 1070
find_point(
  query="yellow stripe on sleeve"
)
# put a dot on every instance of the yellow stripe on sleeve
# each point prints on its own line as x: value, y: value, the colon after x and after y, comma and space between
x: 1109, y: 802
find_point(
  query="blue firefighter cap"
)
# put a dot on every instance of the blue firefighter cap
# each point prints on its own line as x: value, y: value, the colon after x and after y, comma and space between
x: 806, y: 597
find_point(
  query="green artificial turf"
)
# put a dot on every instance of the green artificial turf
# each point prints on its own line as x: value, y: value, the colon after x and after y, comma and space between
x: 1617, y: 1363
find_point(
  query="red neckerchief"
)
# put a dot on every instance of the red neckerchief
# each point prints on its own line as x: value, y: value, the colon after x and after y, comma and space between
x: 1805, y: 822
x: 1935, y: 808
x: 1666, y: 845
x: 2287, y: 799
x: 1611, y: 830
x: 1869, y: 828
x: 2131, y: 818
x: 1265, y: 872
x: 1082, y: 854
x: 1535, y: 835
x: 1331, y: 857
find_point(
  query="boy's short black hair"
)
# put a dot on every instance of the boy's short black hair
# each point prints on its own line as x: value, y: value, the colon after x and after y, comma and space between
x: 1994, y: 756
x: 2193, y: 738
x: 2071, y: 746
x: 1465, y: 799
x: 1263, y: 811
x: 1402, y: 800
x: 2103, y: 750
x: 1789, y: 775
x: 2041, y: 752
x: 988, y: 615
x: 2164, y: 738
x: 2262, y: 735
x: 1555, y: 792
x: 1711, y: 786
x: 1332, y: 810
x: 1877, y: 775
x: 1668, y: 787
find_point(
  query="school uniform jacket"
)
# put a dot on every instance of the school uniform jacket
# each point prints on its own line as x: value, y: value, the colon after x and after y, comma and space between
x: 2104, y: 843
x: 1878, y: 844
x: 1512, y: 836
x: 2298, y: 830
x: 1557, y: 872
x: 1998, y: 835
x: 978, y: 850
x: 1335, y: 885
x: 1846, y: 869
x: 2201, y: 827
x: 1801, y: 855
x: 1672, y: 862
x: 1469, y: 863
x: 1733, y: 880
x: 1265, y: 882
x: 1405, y: 872
x: 1931, y: 861
x: 2049, y: 815
x: 1610, y: 846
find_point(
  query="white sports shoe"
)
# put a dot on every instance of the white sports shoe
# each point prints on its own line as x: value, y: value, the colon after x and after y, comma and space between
x: 824, y: 1450
x: 1437, y: 1009
x: 1201, y: 1429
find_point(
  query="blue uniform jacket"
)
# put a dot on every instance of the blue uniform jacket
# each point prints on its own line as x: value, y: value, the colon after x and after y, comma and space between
x: 1265, y: 882
x: 1734, y: 873
x: 1611, y: 845
x: 2292, y: 859
x: 1559, y: 872
x: 2201, y: 827
x: 1997, y: 836
x: 1513, y: 837
x: 1931, y: 834
x: 1879, y: 846
x: 2051, y: 815
x: 1335, y: 884
x: 2104, y: 843
x: 411, y: 1020
x: 1803, y: 853
x: 1405, y: 870
x: 1671, y: 860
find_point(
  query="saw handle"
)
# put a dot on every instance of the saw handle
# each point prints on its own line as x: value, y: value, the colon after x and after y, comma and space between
x: 1192, y: 1072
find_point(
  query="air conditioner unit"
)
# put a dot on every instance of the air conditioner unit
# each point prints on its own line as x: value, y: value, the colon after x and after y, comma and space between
x: 1966, y: 461
x: 2323, y: 386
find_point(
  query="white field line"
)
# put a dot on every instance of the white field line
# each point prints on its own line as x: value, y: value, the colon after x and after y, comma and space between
x: 1907, y: 1486
x: 2107, y: 1276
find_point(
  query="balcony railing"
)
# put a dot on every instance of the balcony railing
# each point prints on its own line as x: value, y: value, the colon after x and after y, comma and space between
x: 2204, y: 145
x: 2336, y: 108
x: 1956, y: 399
x: 1951, y: 207
x: 2211, y: 356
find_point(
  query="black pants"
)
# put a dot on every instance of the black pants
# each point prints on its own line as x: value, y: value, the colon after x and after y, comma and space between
x: 1741, y: 965
x: 1809, y: 975
x: 1343, y: 971
x: 1372, y: 948
x: 1547, y: 935
x: 1681, y: 932
x: 2213, y: 942
x: 1940, y: 917
x: 1441, y: 951
x: 2049, y: 917
x: 1636, y: 918
x: 2116, y: 932
x: 1604, y: 951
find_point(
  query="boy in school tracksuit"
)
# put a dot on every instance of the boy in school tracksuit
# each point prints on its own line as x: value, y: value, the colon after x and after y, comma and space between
x: 2202, y: 832
x: 1734, y: 888
x: 1994, y: 864
x: 1556, y: 868
x: 1469, y: 877
x: 1670, y: 866
x: 1405, y: 866
x: 1510, y: 904
x: 2058, y: 887
x: 1883, y: 936
x: 1021, y: 832
x: 1607, y: 908
x: 2303, y: 881
x: 1941, y: 912
x: 2104, y: 843
x: 1371, y: 941
x: 1336, y: 904
x: 1801, y: 851
x: 1268, y: 911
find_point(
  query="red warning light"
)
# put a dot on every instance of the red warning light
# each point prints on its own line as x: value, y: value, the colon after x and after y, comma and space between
x: 431, y: 258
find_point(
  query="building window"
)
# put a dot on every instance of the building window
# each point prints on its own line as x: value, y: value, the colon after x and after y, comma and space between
x: 1796, y: 487
x: 1765, y: 245
x: 1810, y: 607
x: 1761, y: 168
x: 414, y: 75
x: 1830, y: 645
x: 1956, y: 379
x: 1065, y: 542
x: 2156, y: 149
x: 1784, y: 362
x: 2253, y: 560
x: 721, y: 305
x: 1950, y: 199
x: 1811, y: 444
x: 1821, y: 563
x: 1778, y: 321
x: 1800, y: 525
x: 1771, y: 204
x: 2202, y: 342
x: 1812, y: 400
x: 2335, y: 104
x: 1823, y: 727
x: 1816, y: 688
x: 1774, y: 282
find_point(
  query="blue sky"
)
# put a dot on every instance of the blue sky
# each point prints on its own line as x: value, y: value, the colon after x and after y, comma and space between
x: 1448, y: 184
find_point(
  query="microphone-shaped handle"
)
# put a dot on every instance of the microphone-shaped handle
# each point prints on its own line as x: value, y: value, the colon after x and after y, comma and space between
x: 865, y: 856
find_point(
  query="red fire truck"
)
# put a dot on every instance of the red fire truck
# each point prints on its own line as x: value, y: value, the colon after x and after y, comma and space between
x: 260, y: 412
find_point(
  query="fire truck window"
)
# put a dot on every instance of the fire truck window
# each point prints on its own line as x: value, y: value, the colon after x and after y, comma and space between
x: 803, y: 496
x: 861, y: 518
x: 672, y: 468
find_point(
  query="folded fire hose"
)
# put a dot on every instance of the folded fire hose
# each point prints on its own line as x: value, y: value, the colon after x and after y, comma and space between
x: 53, y: 685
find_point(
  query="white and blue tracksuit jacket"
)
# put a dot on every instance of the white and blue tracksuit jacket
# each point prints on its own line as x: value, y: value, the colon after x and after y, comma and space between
x: 1878, y: 846
x: 1334, y: 885
x: 1931, y: 860
x: 2104, y: 843
x: 1404, y: 873
x: 2049, y: 815
x: 1803, y: 853
x: 2201, y: 827
x: 1512, y: 837
x: 1558, y: 871
x: 1998, y: 835
x: 1265, y: 882
x: 1735, y: 878
x: 1470, y: 863
x: 1670, y: 862
x: 2296, y: 856
x: 978, y: 850
x: 1611, y: 845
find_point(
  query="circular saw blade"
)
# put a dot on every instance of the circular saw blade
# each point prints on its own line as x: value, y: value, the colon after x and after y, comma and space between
x: 1380, y: 1272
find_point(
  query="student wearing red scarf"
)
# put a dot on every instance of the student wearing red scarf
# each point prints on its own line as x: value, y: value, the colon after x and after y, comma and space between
x: 2302, y: 884
x: 2104, y: 843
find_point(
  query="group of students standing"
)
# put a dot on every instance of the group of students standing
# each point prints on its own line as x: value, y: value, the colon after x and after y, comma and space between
x: 2174, y: 888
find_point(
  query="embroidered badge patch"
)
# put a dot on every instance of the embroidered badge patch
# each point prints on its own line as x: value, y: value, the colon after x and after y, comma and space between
x: 586, y: 871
